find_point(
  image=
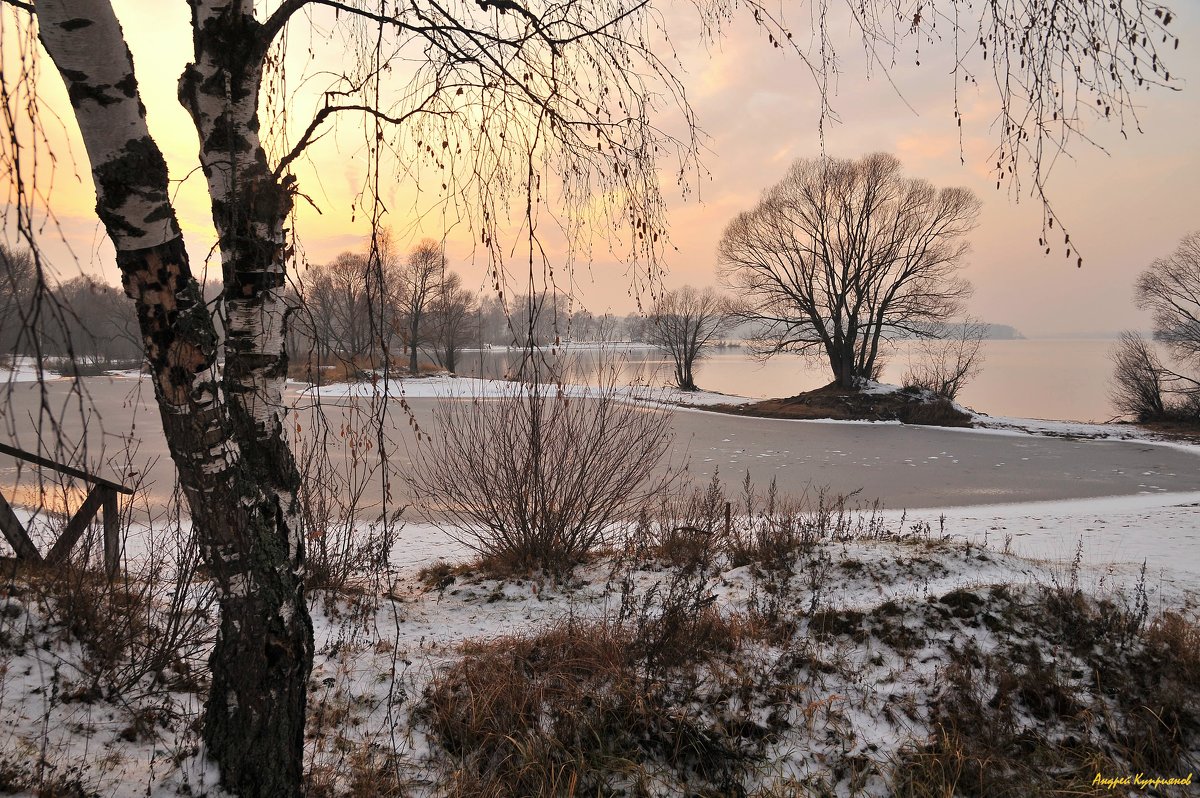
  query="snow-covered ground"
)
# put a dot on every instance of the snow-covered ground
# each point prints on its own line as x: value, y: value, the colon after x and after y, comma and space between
x: 448, y: 387
x: 23, y: 369
x: 375, y: 659
x: 452, y: 387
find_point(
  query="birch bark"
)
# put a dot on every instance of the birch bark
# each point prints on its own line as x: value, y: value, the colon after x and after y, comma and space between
x: 224, y: 426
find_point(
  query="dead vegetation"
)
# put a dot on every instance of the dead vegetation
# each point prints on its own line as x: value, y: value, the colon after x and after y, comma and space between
x: 685, y: 690
x: 909, y: 406
x: 711, y: 652
x: 535, y: 478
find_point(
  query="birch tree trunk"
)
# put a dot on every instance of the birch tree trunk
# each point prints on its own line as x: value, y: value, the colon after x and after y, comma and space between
x: 225, y: 430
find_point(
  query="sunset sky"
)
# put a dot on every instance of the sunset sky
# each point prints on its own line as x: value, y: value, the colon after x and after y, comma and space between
x: 1124, y: 207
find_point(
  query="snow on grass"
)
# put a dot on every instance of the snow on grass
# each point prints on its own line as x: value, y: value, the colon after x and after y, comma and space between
x: 863, y: 672
x: 1117, y: 533
x: 871, y: 649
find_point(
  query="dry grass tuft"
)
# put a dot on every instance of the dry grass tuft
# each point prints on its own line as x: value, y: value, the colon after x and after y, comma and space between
x: 579, y: 710
x: 1042, y: 716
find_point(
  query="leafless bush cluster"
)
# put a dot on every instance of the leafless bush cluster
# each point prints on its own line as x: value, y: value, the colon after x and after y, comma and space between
x: 534, y: 478
x: 143, y: 638
x: 1146, y: 386
x: 946, y: 363
x: 1138, y: 379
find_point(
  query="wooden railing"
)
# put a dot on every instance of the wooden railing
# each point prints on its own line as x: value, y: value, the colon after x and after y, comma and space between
x: 101, y: 498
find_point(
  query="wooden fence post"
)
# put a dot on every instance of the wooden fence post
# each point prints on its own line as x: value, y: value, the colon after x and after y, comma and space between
x: 102, y: 498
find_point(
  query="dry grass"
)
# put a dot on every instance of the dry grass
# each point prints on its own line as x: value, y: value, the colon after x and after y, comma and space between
x: 19, y: 778
x: 936, y: 412
x: 586, y: 707
x: 911, y: 407
x: 364, y: 771
x: 1042, y: 717
x: 341, y: 369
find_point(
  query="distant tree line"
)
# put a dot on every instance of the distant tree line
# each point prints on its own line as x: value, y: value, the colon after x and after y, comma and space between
x: 82, y: 320
x: 351, y: 310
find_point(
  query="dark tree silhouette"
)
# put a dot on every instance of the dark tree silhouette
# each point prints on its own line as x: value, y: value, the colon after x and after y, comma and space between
x: 841, y: 255
x: 685, y: 323
x: 1170, y: 289
x: 1145, y: 386
x: 420, y: 281
x: 453, y: 320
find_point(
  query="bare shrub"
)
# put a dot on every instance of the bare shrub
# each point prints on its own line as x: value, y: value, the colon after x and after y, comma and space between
x: 149, y: 630
x: 534, y: 478
x: 1137, y: 379
x: 945, y: 364
x: 349, y: 543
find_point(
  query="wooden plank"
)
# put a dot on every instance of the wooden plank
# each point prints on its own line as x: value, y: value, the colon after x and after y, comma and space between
x: 15, y: 534
x: 112, y: 535
x: 76, y: 526
x: 21, y: 454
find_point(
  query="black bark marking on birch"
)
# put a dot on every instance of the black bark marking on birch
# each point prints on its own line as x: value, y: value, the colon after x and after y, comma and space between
x: 73, y: 75
x: 140, y: 169
x: 127, y: 86
x: 233, y: 42
x: 79, y: 93
x: 74, y: 24
x: 225, y: 136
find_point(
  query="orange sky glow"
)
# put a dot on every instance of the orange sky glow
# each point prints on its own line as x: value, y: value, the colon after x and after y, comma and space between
x: 1125, y: 204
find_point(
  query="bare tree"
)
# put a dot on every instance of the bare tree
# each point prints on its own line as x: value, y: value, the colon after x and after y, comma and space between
x: 497, y: 97
x: 1145, y: 386
x: 1170, y: 289
x: 685, y: 323
x: 96, y: 324
x: 453, y: 318
x: 337, y: 309
x: 949, y: 359
x: 841, y: 255
x: 420, y: 280
x: 17, y: 277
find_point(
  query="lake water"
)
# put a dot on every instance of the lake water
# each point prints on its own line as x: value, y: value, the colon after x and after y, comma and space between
x: 1031, y: 378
